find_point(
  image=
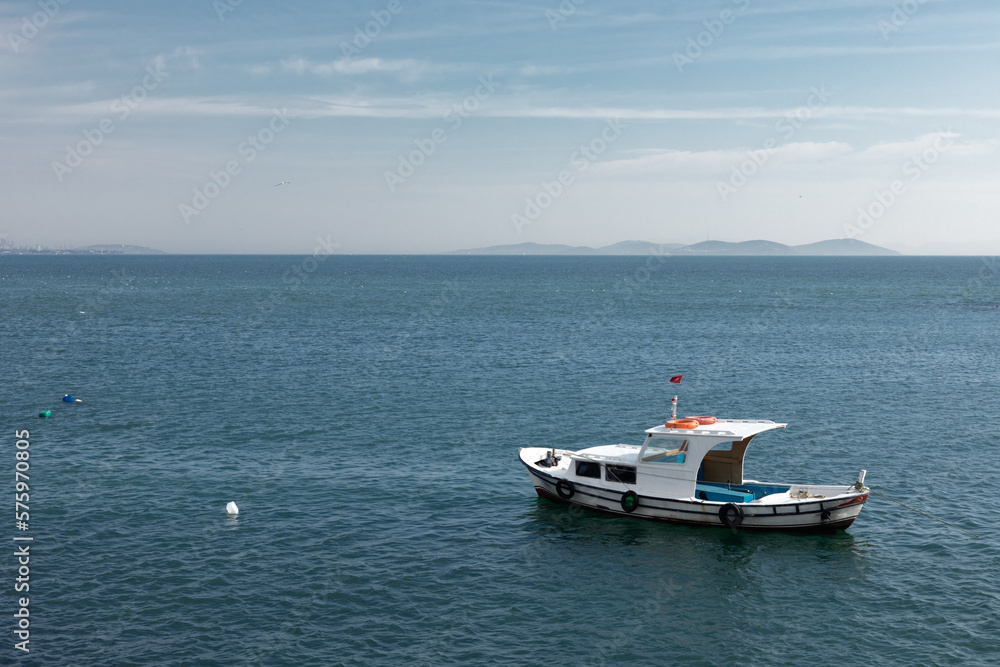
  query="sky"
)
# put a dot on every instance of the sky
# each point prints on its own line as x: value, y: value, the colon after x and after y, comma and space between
x: 420, y: 126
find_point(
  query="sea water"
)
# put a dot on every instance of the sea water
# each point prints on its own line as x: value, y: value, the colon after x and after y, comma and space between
x: 365, y: 414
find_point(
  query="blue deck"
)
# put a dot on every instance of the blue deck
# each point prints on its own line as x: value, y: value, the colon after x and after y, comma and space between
x: 743, y: 493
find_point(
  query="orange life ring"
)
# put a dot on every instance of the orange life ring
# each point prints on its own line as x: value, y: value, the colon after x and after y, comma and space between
x: 704, y: 421
x: 682, y: 423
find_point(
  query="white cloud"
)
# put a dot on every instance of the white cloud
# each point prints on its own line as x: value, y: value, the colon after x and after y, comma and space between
x: 742, y: 113
x: 408, y: 67
x: 714, y: 161
x: 543, y: 70
x: 831, y: 157
x: 510, y: 105
x: 901, y: 150
x: 775, y: 52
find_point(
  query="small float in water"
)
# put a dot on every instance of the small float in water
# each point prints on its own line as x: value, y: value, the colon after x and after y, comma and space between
x: 690, y: 471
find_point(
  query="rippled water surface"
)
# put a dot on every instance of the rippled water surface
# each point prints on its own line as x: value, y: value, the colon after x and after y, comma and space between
x: 365, y: 414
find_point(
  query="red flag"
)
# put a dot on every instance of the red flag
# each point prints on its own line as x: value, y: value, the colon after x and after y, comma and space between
x: 676, y: 379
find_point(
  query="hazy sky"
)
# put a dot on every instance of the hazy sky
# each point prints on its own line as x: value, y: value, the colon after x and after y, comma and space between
x: 421, y: 126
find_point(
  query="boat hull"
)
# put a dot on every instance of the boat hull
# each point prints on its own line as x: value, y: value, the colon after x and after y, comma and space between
x: 826, y: 514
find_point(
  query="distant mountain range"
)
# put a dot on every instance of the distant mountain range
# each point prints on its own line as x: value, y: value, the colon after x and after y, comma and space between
x: 832, y: 247
x: 838, y: 247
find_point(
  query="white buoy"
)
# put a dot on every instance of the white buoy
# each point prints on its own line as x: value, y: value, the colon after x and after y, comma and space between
x: 231, y: 508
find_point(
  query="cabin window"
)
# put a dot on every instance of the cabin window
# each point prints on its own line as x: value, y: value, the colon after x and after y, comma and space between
x: 588, y: 469
x: 723, y: 447
x: 623, y: 474
x: 665, y: 450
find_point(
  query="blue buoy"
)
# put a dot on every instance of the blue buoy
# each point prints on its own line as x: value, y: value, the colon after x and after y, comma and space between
x: 67, y: 398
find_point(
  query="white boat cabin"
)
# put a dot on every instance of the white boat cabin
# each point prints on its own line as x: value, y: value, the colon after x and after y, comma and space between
x: 705, y: 463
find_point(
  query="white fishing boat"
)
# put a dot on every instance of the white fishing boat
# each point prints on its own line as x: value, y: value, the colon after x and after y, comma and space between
x: 691, y: 471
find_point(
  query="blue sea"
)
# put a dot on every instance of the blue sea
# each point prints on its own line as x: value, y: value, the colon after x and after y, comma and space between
x: 365, y: 415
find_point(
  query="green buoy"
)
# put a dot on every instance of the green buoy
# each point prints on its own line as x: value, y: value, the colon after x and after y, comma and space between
x: 45, y: 413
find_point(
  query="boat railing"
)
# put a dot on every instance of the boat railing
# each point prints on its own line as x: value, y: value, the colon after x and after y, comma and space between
x: 596, y: 457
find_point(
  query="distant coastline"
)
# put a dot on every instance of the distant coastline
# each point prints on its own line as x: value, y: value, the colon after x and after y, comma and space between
x: 832, y: 247
x: 120, y: 249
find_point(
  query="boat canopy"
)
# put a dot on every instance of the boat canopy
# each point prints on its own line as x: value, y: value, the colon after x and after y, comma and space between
x: 722, y: 429
x: 708, y: 453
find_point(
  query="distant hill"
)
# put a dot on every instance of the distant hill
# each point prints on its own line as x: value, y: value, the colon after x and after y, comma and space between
x: 743, y: 248
x: 529, y: 249
x: 638, y: 248
x: 621, y: 248
x: 840, y: 247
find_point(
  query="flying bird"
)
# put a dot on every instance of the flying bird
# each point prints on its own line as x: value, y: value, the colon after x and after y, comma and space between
x: 283, y: 183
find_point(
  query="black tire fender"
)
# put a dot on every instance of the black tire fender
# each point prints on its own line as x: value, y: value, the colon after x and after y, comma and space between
x: 731, y: 515
x: 630, y: 500
x: 565, y: 489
